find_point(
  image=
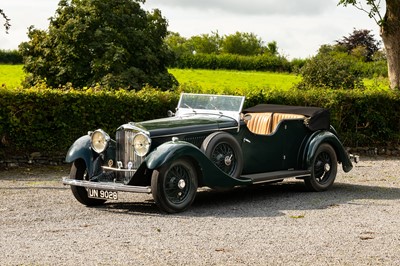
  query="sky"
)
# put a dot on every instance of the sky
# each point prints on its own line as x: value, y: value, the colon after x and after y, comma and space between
x: 299, y: 27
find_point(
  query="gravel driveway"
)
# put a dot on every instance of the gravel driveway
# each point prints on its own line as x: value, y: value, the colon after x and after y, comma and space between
x: 355, y: 223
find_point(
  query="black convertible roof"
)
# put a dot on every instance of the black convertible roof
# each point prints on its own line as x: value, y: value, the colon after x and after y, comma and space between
x: 317, y: 118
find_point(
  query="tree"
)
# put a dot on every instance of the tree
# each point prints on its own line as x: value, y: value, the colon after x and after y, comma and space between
x: 360, y: 42
x: 205, y: 43
x: 112, y: 43
x: 389, y: 31
x: 177, y: 44
x: 242, y: 44
x: 272, y: 48
x: 6, y: 24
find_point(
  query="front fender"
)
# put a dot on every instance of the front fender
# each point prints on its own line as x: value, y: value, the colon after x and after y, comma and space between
x: 81, y: 150
x: 327, y: 137
x: 211, y: 175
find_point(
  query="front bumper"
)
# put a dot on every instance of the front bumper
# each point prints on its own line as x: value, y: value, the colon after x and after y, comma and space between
x: 112, y: 186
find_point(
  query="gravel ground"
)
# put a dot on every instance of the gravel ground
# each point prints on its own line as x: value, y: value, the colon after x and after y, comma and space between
x: 355, y: 223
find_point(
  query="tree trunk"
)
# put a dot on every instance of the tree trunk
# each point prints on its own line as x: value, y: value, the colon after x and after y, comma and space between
x: 390, y: 33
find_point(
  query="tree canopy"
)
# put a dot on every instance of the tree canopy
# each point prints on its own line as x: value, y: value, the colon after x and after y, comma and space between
x: 239, y: 43
x: 112, y: 43
x: 360, y: 40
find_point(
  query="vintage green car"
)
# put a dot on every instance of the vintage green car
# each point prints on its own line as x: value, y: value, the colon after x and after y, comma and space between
x: 208, y: 142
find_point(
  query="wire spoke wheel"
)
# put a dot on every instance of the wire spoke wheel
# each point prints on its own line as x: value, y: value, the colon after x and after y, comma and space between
x: 174, y: 185
x: 224, y: 158
x: 225, y: 152
x: 177, y: 184
x: 323, y: 169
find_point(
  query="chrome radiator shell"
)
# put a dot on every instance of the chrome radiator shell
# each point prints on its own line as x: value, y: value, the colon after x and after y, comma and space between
x: 127, y: 160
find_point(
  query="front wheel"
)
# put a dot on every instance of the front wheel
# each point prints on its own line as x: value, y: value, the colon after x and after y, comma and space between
x: 78, y: 172
x: 323, y: 169
x: 174, y: 186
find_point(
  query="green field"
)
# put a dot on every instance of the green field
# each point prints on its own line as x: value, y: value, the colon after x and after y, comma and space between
x: 210, y: 81
x: 229, y: 81
x: 11, y: 76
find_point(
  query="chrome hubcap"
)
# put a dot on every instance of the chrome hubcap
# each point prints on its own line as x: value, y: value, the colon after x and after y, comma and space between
x: 327, y: 167
x: 228, y: 160
x: 181, y: 184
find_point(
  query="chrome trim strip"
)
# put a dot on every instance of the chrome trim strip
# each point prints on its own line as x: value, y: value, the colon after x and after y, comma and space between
x: 105, y: 186
x: 106, y: 168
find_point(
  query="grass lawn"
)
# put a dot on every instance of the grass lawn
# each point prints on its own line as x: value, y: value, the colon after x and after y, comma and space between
x: 209, y: 81
x: 230, y: 80
x: 11, y: 75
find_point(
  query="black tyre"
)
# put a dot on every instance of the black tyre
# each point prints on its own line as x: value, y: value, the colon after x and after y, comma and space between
x: 78, y: 172
x: 174, y: 186
x: 225, y: 152
x: 323, y: 169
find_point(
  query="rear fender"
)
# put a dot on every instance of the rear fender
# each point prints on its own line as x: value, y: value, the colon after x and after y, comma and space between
x: 327, y: 137
x: 211, y: 175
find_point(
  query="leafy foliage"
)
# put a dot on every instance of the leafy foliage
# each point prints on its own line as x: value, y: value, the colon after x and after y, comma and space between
x: 10, y: 57
x: 112, y: 43
x: 361, y: 43
x: 237, y: 62
x: 46, y: 120
x: 328, y: 71
x: 240, y: 43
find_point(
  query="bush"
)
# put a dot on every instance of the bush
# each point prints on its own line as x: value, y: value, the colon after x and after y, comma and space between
x: 328, y: 71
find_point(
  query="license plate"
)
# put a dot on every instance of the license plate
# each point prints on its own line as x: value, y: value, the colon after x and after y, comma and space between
x: 102, y: 194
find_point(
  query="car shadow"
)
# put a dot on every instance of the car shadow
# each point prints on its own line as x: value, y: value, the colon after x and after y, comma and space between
x: 268, y: 200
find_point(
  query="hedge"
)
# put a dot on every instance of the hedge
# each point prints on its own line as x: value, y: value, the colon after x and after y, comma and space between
x: 234, y: 62
x: 46, y: 120
x: 10, y: 57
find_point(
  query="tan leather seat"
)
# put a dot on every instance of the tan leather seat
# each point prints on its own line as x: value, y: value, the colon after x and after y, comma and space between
x: 266, y: 123
x: 278, y: 117
x: 260, y: 123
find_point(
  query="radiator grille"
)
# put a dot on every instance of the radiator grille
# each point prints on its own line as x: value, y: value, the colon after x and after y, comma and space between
x: 126, y: 156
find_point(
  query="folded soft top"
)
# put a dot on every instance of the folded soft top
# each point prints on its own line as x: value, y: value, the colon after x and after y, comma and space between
x: 317, y: 118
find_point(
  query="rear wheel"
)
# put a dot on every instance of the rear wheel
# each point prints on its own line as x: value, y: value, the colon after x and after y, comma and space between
x: 79, y: 172
x: 174, y: 186
x: 323, y: 169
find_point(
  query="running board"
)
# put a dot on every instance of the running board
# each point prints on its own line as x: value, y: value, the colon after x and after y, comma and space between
x: 274, y: 176
x: 106, y: 186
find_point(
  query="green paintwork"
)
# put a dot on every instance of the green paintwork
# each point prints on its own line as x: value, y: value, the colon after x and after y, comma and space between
x: 81, y: 150
x: 327, y: 137
x: 211, y: 175
x: 274, y: 152
x: 186, y: 124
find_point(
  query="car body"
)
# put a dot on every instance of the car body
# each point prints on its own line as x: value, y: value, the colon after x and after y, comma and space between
x: 209, y: 142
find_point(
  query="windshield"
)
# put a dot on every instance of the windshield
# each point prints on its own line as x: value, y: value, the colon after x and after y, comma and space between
x: 204, y: 102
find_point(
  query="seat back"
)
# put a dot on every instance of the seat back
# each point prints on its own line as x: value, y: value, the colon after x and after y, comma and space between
x: 260, y: 123
x: 278, y: 117
x: 266, y: 123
